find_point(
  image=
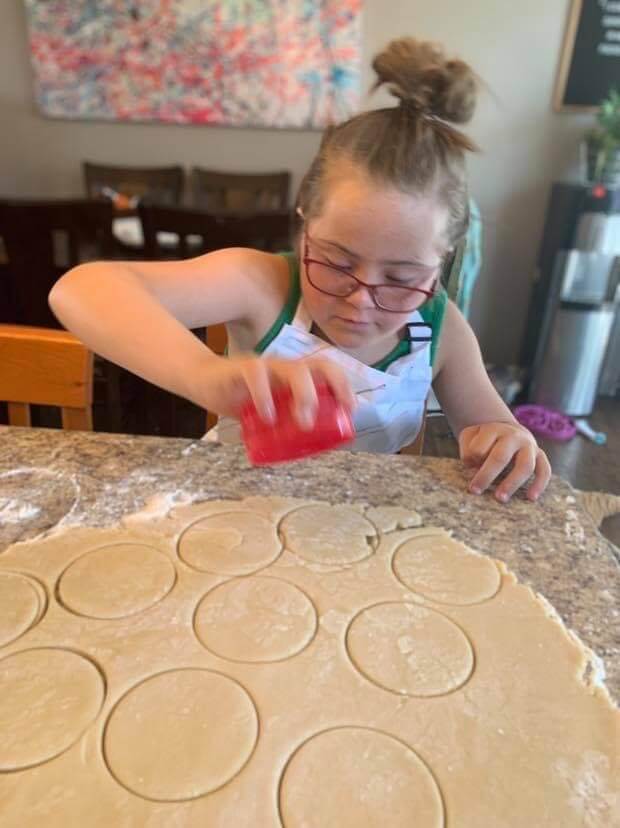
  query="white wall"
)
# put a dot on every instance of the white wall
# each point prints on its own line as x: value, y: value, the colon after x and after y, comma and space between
x: 525, y: 145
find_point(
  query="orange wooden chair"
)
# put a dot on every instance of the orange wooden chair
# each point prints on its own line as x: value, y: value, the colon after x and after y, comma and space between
x: 40, y: 366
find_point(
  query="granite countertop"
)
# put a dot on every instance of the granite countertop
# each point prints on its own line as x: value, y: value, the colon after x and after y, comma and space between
x: 50, y: 478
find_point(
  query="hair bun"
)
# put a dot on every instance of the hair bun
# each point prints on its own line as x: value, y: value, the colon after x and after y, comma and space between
x: 418, y: 73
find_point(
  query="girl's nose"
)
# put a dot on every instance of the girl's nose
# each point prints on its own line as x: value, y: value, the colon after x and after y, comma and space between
x: 361, y: 298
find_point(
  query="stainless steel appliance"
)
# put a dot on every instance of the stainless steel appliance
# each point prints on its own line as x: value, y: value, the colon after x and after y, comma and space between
x: 573, y: 338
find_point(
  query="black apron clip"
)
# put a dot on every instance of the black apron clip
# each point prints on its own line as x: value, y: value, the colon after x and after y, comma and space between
x: 415, y: 335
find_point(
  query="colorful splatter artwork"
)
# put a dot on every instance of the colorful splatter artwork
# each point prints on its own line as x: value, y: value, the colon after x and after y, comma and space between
x: 272, y: 63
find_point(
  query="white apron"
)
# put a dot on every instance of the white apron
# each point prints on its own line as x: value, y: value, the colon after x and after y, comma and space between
x: 390, y: 403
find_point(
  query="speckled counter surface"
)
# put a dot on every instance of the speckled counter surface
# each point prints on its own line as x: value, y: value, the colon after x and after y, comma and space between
x: 50, y: 477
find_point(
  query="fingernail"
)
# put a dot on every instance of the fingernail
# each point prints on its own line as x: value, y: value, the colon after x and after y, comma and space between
x: 502, y: 496
x: 306, y: 419
x: 269, y: 413
x: 476, y: 490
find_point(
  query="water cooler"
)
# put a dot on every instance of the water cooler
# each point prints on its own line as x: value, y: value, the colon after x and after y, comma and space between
x: 571, y: 348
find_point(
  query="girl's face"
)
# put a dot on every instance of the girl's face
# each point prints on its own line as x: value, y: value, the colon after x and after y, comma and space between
x: 382, y: 236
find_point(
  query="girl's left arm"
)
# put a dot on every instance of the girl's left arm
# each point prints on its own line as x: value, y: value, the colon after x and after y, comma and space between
x: 490, y: 439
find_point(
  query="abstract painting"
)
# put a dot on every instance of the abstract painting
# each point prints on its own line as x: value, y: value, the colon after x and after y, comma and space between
x: 270, y: 63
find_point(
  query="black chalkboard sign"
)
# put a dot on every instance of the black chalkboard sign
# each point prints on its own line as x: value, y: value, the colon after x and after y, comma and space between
x: 590, y: 64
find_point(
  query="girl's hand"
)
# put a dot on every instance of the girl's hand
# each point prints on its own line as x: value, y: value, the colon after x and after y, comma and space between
x: 230, y: 382
x: 491, y: 447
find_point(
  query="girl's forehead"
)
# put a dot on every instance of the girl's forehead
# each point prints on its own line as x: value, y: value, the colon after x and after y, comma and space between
x: 376, y: 221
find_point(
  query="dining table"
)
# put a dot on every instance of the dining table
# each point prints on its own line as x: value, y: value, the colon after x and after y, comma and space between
x: 53, y: 479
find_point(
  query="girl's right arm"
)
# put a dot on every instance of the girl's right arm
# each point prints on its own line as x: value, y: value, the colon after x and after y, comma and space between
x: 138, y: 314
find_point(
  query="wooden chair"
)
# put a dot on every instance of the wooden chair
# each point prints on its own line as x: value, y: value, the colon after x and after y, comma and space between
x: 160, y: 185
x: 46, y: 367
x: 270, y: 231
x: 181, y: 232
x: 42, y: 240
x: 227, y: 192
x: 126, y: 187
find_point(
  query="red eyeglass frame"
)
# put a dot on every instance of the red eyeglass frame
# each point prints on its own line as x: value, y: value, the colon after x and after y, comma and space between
x: 428, y: 294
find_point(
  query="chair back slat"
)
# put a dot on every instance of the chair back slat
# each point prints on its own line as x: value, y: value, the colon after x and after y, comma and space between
x: 77, y: 419
x: 221, y: 192
x: 181, y: 232
x: 45, y: 367
x: 19, y: 414
x: 41, y: 241
x: 160, y: 185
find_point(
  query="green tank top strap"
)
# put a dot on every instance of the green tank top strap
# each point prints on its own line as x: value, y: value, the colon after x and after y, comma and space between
x: 287, y: 314
x: 432, y: 313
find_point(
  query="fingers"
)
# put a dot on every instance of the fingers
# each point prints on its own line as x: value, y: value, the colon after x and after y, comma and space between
x: 542, y: 476
x: 256, y: 377
x: 300, y: 375
x: 476, y: 444
x: 504, y: 445
x: 525, y: 461
x: 495, y: 463
x: 305, y: 400
x: 336, y: 379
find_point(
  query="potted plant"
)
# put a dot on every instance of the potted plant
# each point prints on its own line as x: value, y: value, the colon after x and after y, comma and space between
x: 602, y: 143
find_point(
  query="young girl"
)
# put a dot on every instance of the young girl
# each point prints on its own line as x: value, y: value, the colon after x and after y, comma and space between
x: 358, y: 304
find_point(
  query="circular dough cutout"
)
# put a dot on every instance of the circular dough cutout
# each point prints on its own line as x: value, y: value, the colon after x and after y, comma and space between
x: 231, y: 543
x: 358, y: 776
x: 48, y: 697
x: 20, y: 606
x: 116, y: 581
x: 331, y: 535
x: 180, y: 735
x: 256, y: 619
x: 444, y: 570
x: 409, y: 649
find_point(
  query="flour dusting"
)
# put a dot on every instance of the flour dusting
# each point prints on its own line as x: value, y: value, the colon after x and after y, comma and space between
x: 12, y: 511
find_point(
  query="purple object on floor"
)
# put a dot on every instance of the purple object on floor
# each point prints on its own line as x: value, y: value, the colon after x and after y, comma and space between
x: 546, y: 422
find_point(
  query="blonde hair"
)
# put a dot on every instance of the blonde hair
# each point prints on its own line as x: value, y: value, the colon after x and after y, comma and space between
x: 412, y: 146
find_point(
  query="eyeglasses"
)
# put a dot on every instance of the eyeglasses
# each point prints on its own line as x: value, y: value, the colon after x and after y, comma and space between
x: 338, y: 281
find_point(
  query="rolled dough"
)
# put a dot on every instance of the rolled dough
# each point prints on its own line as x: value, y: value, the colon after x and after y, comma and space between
x: 233, y: 543
x: 48, y: 697
x: 328, y: 534
x: 116, y: 581
x: 181, y: 734
x: 410, y: 649
x: 19, y: 606
x: 370, y: 675
x: 438, y: 568
x: 363, y: 776
x: 256, y: 619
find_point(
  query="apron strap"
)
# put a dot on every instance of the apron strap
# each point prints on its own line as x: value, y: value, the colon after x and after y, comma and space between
x: 419, y: 332
x: 302, y: 318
